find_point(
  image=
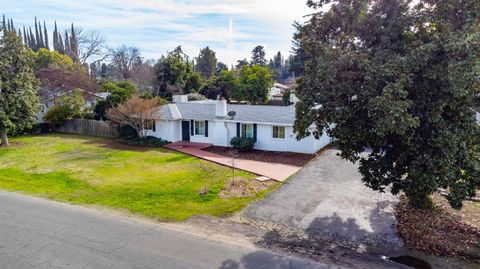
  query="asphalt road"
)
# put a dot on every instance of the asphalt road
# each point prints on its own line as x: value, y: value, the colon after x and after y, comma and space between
x: 36, y: 233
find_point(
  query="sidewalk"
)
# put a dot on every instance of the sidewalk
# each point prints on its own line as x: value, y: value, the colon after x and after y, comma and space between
x: 278, y: 172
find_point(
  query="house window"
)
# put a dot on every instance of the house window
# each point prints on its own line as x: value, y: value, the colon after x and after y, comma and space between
x: 279, y: 132
x: 199, y: 128
x: 247, y: 130
x: 150, y: 125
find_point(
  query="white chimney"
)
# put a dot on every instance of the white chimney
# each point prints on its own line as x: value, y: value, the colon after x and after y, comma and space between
x: 180, y: 98
x: 221, y: 108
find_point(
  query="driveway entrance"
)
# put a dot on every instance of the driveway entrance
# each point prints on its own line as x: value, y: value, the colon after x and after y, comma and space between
x: 327, y: 198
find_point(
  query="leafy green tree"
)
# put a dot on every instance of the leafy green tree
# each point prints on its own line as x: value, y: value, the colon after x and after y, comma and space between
x: 18, y: 99
x: 400, y: 78
x: 44, y: 58
x: 206, y: 62
x: 258, y: 56
x: 228, y: 85
x: 171, y: 73
x: 120, y: 92
x: 220, y: 67
x: 66, y: 107
x: 255, y: 84
x: 194, y: 83
x: 241, y: 63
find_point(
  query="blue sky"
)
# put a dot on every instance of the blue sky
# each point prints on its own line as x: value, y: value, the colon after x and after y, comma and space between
x: 230, y: 27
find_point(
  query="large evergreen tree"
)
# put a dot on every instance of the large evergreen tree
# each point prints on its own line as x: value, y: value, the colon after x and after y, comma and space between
x: 400, y: 77
x: 258, y: 56
x: 206, y: 62
x: 18, y: 99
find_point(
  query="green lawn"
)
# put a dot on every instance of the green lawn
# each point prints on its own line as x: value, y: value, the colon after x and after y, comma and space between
x: 154, y: 182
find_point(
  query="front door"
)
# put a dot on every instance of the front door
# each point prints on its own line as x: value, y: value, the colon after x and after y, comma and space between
x: 185, y: 130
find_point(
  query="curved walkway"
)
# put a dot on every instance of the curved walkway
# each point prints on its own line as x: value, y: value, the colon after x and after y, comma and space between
x: 276, y: 171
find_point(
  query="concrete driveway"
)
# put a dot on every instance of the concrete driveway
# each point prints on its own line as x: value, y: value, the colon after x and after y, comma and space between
x: 328, y: 199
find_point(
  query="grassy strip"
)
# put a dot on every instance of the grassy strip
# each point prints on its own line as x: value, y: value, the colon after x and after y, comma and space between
x: 154, y: 182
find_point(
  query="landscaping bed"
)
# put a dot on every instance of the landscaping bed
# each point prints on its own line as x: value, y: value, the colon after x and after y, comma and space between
x: 150, y: 181
x: 290, y: 158
x: 441, y: 230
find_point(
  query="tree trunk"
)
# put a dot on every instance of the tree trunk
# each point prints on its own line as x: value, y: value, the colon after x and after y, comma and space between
x: 3, y: 137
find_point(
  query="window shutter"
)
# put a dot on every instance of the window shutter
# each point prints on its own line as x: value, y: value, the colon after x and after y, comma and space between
x: 154, y: 126
x: 238, y: 129
x: 206, y: 128
x: 255, y: 132
x: 192, y: 127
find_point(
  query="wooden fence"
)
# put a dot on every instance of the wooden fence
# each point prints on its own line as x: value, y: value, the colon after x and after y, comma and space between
x: 89, y: 127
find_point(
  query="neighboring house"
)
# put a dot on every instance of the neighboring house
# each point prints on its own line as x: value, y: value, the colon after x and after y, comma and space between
x: 90, y: 98
x: 209, y: 122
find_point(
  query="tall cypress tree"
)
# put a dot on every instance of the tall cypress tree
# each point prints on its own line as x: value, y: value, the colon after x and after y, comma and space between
x: 55, y: 38
x: 61, y: 46
x: 67, y: 43
x: 33, y: 42
x: 37, y: 36
x: 45, y: 36
x: 40, y: 36
x: 73, y: 45
x: 4, y: 23
x: 25, y: 37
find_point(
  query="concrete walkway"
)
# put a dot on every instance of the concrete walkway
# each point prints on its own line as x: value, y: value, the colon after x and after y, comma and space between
x: 276, y: 171
x: 328, y: 199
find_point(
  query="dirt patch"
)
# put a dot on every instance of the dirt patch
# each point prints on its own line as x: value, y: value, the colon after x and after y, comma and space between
x: 469, y: 214
x: 242, y: 187
x: 290, y: 158
x: 438, y: 231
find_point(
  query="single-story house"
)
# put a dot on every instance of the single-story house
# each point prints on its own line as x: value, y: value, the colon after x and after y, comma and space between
x: 216, y: 122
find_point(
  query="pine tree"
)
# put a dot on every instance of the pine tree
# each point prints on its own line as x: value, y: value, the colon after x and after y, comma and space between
x: 45, y: 36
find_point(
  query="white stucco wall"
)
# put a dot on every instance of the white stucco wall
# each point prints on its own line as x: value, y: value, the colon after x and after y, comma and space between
x: 167, y: 130
x: 220, y: 133
x: 203, y: 139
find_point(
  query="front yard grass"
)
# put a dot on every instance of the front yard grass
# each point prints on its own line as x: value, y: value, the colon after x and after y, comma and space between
x: 154, y: 182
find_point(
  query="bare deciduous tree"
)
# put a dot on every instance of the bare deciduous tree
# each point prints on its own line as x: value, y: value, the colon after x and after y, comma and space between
x: 91, y: 44
x: 124, y: 59
x: 137, y: 112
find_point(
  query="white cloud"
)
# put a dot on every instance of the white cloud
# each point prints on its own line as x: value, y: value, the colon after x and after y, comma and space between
x: 156, y: 26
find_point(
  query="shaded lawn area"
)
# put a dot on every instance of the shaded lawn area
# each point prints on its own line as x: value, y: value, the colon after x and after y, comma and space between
x: 154, y: 182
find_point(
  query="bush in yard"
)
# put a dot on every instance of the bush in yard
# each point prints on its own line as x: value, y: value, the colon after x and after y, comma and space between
x: 242, y: 143
x: 128, y: 133
x: 66, y: 108
x: 146, y: 141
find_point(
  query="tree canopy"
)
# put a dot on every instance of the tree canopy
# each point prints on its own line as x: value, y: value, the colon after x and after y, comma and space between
x: 255, y: 84
x: 206, y: 62
x: 399, y: 77
x: 18, y: 99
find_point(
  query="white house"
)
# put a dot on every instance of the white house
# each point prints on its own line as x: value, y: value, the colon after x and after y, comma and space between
x: 216, y: 122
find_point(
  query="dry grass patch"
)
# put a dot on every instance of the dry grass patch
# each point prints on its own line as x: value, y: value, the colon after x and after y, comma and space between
x: 242, y: 187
